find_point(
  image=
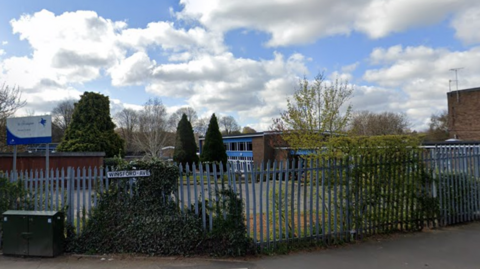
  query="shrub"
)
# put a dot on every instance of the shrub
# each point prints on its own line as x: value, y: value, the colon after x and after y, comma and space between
x: 147, y: 220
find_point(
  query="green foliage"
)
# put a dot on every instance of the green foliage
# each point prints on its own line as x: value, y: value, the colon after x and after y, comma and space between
x: 277, y: 213
x: 228, y: 237
x: 147, y: 220
x: 185, y: 146
x: 92, y: 128
x: 12, y: 196
x: 315, y: 111
x: 391, y: 145
x: 456, y: 190
x: 213, y: 150
x: 387, y: 180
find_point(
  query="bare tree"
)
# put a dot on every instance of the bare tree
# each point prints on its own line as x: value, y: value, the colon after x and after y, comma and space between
x: 62, y: 114
x: 201, y: 126
x: 438, y: 127
x: 153, y: 133
x: 127, y: 121
x: 229, y: 125
x: 10, y: 101
x: 175, y: 117
x: 386, y: 123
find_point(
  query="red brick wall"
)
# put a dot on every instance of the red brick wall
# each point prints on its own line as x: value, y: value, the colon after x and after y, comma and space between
x: 28, y: 161
x: 264, y: 149
x: 258, y: 149
x: 464, y: 114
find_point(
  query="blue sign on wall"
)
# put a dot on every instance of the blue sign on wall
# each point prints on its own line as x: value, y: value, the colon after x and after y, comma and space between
x: 29, y: 130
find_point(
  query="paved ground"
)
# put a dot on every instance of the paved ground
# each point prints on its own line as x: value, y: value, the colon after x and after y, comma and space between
x: 453, y: 247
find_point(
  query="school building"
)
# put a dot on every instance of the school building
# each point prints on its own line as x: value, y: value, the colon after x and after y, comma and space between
x: 245, y: 149
x: 464, y: 114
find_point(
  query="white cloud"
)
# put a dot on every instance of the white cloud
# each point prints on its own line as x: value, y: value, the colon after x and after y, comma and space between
x: 134, y: 70
x: 220, y: 83
x: 382, y: 17
x: 4, y: 43
x: 289, y: 22
x: 422, y: 74
x: 2, y: 52
x: 165, y: 35
x: 350, y: 68
x: 304, y: 21
x: 117, y: 105
x: 467, y: 24
x: 42, y: 102
x: 69, y: 48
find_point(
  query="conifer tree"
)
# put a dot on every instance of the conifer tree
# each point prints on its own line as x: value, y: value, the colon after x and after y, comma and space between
x: 185, y: 146
x: 213, y: 149
x: 92, y: 128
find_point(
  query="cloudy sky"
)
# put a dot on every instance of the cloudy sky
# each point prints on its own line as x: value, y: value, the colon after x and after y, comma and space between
x: 240, y: 57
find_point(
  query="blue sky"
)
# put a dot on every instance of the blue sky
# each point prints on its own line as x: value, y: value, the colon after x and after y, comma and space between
x: 240, y: 58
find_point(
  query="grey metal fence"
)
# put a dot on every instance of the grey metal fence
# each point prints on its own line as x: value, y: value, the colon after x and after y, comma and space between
x: 324, y: 200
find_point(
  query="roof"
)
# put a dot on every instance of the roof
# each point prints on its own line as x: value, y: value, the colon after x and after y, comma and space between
x: 257, y: 134
x: 465, y: 90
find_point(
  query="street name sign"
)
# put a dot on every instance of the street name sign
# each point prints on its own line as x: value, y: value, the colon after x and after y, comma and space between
x: 128, y: 173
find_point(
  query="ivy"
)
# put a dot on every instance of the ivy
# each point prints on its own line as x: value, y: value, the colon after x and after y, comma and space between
x: 146, y: 219
x: 12, y: 197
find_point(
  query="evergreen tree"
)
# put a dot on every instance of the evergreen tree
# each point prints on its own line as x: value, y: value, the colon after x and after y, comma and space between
x: 92, y: 128
x: 185, y: 146
x: 213, y: 149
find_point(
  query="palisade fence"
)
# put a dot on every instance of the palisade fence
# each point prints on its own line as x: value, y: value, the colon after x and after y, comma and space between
x: 330, y: 201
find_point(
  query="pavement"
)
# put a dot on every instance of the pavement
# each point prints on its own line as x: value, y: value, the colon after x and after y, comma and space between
x: 446, y: 248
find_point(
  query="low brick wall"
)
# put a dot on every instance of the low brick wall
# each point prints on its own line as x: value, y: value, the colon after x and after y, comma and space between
x: 37, y: 161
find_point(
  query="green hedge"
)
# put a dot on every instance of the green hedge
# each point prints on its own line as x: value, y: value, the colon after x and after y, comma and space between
x: 146, y: 221
x: 12, y: 197
x: 388, y: 187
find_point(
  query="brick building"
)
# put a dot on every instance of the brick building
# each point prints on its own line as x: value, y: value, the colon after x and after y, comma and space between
x: 257, y: 148
x: 464, y: 114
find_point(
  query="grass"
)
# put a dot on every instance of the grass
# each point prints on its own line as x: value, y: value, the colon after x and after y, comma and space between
x: 197, y: 179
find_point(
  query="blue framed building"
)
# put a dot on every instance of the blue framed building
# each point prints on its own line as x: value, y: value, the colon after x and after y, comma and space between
x: 246, y: 149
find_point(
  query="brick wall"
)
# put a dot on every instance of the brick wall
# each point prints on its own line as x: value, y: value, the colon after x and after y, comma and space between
x: 258, y: 149
x: 36, y: 160
x: 464, y: 114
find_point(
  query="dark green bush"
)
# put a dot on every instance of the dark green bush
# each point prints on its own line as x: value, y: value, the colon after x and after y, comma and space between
x: 457, y: 190
x: 12, y: 197
x: 147, y: 220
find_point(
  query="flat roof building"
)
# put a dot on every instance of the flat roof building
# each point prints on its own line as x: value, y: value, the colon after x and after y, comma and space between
x: 257, y: 148
x: 464, y: 114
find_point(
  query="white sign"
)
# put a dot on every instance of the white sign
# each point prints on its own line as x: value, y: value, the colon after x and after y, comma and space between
x: 130, y: 173
x: 29, y: 130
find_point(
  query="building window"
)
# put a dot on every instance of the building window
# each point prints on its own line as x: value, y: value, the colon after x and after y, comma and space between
x: 241, y: 146
x: 233, y: 146
x: 249, y: 146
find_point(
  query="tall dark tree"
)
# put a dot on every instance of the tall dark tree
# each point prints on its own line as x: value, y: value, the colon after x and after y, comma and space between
x: 92, y: 128
x: 185, y: 146
x: 213, y: 149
